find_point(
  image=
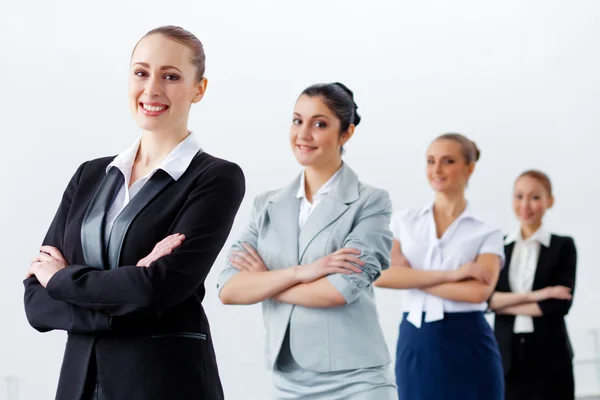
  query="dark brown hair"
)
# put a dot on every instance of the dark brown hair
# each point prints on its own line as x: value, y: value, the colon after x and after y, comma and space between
x: 180, y: 35
x: 469, y: 149
x: 538, y: 176
x: 340, y: 101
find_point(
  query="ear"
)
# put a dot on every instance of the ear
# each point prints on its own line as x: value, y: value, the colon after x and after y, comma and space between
x: 347, y: 135
x: 550, y: 202
x: 470, y: 168
x: 200, y: 90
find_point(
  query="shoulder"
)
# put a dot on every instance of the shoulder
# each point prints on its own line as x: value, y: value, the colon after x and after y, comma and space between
x: 370, y: 195
x: 407, y: 216
x: 210, y: 166
x: 562, y: 241
x: 96, y: 164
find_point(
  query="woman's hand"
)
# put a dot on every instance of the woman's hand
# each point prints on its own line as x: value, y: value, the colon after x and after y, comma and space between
x: 340, y: 262
x: 46, y: 264
x: 162, y: 248
x: 248, y: 260
x: 552, y: 292
x: 471, y: 270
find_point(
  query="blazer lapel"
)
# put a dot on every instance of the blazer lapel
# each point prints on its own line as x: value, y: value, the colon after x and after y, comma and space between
x: 541, y: 270
x: 503, y: 283
x: 157, y: 183
x: 92, y: 227
x: 330, y: 208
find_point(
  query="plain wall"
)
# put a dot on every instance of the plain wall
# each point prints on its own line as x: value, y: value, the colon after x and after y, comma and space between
x: 520, y: 78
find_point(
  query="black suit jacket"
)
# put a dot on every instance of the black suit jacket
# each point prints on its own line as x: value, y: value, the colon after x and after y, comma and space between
x: 548, y: 347
x: 143, y: 328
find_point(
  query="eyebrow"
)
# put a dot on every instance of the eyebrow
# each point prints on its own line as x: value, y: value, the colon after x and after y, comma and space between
x: 314, y: 116
x: 164, y: 67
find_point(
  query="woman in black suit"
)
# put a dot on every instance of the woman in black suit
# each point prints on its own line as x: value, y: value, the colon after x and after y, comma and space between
x: 133, y: 310
x: 533, y: 295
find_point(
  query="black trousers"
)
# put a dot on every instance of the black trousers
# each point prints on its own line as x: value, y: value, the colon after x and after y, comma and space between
x: 525, y: 382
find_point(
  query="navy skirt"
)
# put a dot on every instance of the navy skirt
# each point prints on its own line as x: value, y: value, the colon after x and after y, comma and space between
x: 456, y: 358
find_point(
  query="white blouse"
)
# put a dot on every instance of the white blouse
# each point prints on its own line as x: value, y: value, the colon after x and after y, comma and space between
x: 175, y: 164
x: 465, y: 239
x: 523, y: 264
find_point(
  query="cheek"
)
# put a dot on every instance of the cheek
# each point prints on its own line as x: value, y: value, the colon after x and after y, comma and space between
x: 538, y: 208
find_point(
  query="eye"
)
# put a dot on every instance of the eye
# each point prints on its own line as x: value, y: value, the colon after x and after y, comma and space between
x: 172, y: 77
x: 518, y: 196
x: 535, y: 197
x: 296, y: 121
x: 140, y: 73
x: 448, y: 161
x: 430, y: 161
x: 320, y: 124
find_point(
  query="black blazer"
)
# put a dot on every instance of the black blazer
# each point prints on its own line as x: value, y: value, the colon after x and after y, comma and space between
x: 548, y: 347
x: 143, y: 328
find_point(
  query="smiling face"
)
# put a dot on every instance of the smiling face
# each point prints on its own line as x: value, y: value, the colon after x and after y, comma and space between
x: 315, y: 133
x: 530, y: 201
x: 447, y: 168
x: 163, y: 84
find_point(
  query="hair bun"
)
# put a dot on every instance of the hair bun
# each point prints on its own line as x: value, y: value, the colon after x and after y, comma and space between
x: 477, y: 151
x: 356, y: 119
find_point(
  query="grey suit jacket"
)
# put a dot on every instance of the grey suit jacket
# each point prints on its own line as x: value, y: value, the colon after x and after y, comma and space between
x: 350, y: 215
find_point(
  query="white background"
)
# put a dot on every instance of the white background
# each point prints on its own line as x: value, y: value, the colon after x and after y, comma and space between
x: 518, y: 77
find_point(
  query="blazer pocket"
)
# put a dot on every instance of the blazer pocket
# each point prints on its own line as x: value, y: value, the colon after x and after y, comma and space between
x: 188, y: 335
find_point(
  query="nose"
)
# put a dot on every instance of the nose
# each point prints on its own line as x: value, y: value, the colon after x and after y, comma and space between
x: 304, y: 132
x: 437, y: 167
x: 153, y: 86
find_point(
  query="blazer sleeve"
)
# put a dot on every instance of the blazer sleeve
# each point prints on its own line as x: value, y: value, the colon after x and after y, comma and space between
x: 563, y: 274
x: 205, y: 220
x: 371, y: 235
x: 249, y: 236
x: 45, y: 313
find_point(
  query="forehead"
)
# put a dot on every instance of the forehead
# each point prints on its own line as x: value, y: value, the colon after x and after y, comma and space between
x: 312, y: 105
x: 529, y: 183
x: 158, y: 50
x: 444, y: 147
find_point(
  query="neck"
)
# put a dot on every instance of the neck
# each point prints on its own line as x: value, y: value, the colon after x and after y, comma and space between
x: 155, y: 146
x: 528, y: 230
x: 450, y: 204
x: 316, y: 177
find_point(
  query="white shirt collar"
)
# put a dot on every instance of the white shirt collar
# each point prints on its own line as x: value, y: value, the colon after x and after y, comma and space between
x: 174, y: 164
x: 323, y: 190
x: 467, y: 212
x: 541, y: 235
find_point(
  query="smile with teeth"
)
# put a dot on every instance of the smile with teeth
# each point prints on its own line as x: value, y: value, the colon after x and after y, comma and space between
x: 148, y: 107
x: 306, y: 148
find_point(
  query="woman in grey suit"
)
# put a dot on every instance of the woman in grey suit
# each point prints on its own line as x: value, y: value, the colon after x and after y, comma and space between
x: 310, y: 254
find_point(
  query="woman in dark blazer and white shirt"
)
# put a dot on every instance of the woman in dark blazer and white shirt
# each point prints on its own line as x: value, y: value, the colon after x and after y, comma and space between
x: 310, y: 254
x: 133, y: 310
x: 532, y: 297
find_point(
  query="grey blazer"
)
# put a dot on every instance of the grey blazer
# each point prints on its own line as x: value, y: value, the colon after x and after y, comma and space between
x: 350, y: 215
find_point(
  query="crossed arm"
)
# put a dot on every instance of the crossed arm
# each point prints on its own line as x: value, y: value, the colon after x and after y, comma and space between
x: 555, y: 299
x: 473, y: 282
x: 88, y: 299
x: 334, y: 280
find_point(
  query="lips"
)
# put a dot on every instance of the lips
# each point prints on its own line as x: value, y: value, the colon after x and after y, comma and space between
x: 304, y: 148
x: 153, y: 109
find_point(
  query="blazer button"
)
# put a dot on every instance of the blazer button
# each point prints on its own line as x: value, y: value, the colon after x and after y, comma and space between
x: 522, y: 340
x: 354, y: 291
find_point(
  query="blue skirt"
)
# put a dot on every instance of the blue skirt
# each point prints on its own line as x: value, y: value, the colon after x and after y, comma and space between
x: 456, y: 358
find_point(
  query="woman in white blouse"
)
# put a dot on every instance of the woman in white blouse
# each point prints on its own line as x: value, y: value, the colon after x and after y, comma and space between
x: 532, y: 298
x: 449, y: 261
